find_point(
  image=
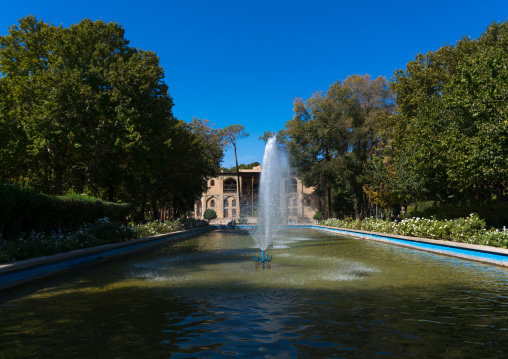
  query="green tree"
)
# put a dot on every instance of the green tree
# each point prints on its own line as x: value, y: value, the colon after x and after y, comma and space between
x: 280, y: 136
x: 209, y: 214
x: 80, y: 109
x: 452, y: 128
x: 231, y: 134
x: 332, y: 136
x: 82, y: 99
x: 318, y: 216
x: 186, y: 156
x: 242, y: 166
x: 316, y: 139
x: 211, y: 142
x: 373, y: 101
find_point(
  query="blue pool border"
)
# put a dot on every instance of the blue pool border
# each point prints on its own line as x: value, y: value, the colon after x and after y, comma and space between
x: 30, y: 270
x: 475, y: 252
x: 27, y: 271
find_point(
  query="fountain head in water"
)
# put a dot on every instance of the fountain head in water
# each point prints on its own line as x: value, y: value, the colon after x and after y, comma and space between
x: 271, y: 207
x: 264, y: 260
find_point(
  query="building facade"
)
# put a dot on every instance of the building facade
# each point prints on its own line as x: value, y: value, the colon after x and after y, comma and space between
x: 234, y: 198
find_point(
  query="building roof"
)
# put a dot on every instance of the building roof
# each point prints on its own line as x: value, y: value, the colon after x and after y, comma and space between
x: 256, y: 169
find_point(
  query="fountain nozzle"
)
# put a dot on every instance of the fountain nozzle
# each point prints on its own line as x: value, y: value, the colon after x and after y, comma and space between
x: 263, y: 260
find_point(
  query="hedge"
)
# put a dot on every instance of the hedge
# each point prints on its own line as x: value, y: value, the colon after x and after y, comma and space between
x: 23, y: 210
x: 495, y: 212
x: 89, y: 235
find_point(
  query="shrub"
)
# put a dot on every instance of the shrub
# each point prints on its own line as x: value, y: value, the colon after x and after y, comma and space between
x: 42, y: 244
x: 471, y: 229
x: 209, y: 214
x: 190, y: 223
x: 89, y: 235
x: 494, y: 211
x: 23, y: 210
x: 157, y: 227
x: 243, y: 219
x: 318, y: 216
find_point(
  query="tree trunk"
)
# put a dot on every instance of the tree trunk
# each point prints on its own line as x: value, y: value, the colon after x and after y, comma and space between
x: 111, y: 193
x: 328, y: 188
x: 329, y: 201
x: 355, y: 204
x: 155, y: 211
x: 173, y: 207
x: 238, y: 190
x: 81, y: 184
x: 365, y: 207
x: 142, y: 211
x: 58, y: 180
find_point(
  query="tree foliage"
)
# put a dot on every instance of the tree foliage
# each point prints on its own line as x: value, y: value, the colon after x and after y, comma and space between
x: 241, y: 166
x: 231, y: 134
x: 80, y: 109
x: 210, y: 214
x: 332, y: 136
x: 452, y: 129
x: 445, y: 137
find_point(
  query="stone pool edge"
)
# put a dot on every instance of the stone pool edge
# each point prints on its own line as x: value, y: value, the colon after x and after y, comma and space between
x: 35, y: 269
x: 475, y: 252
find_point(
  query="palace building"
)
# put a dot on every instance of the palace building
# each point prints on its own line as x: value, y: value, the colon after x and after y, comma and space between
x: 234, y: 198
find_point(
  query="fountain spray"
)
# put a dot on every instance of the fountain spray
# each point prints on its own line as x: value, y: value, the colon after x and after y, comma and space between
x: 271, y: 198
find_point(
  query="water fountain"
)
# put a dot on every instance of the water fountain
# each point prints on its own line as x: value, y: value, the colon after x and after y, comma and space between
x: 331, y: 296
x: 272, y: 199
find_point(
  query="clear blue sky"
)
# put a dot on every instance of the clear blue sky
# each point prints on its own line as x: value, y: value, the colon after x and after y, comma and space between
x: 246, y: 61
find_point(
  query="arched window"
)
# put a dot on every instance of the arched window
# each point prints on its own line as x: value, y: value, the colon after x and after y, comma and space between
x: 308, y: 202
x: 226, y: 203
x: 212, y: 203
x: 233, y: 212
x: 212, y: 182
x: 294, y: 211
x: 226, y: 213
x: 295, y: 203
x: 233, y: 202
x: 292, y: 185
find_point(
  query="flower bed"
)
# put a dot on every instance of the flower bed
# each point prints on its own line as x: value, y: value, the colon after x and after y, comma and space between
x: 466, y: 230
x: 99, y: 233
x: 157, y: 227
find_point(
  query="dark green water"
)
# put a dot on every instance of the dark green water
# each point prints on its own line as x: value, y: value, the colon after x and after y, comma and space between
x: 325, y: 296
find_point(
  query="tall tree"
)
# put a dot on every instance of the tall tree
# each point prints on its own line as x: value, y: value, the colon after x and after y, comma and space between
x: 57, y: 95
x: 374, y: 101
x: 231, y: 134
x: 211, y: 142
x: 332, y: 135
x: 83, y: 101
x: 82, y: 110
x: 453, y: 101
x: 317, y: 140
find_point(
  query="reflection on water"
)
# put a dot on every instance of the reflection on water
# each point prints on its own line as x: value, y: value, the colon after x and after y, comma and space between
x: 325, y: 296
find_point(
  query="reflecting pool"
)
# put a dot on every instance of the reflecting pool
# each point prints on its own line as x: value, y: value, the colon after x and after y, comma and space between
x: 325, y: 296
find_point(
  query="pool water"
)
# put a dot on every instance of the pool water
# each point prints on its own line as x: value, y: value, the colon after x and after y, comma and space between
x: 325, y: 296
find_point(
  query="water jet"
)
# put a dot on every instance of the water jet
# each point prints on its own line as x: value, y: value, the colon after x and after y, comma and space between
x: 271, y: 198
